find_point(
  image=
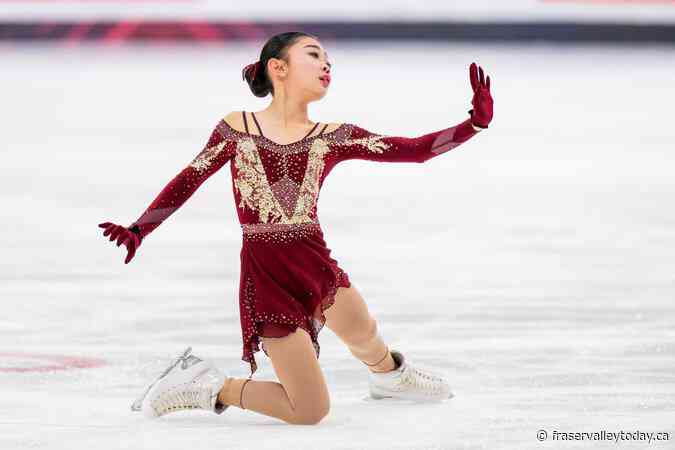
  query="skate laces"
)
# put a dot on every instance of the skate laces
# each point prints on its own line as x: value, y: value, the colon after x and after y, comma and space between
x: 194, y: 395
x: 421, y: 381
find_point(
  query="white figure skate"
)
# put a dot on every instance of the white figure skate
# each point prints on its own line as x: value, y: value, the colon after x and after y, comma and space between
x: 408, y: 382
x: 188, y: 383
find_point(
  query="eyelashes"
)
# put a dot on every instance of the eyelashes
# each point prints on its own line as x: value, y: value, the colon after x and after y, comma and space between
x: 317, y: 55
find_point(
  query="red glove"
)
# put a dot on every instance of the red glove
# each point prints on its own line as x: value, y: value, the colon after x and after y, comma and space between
x: 481, y: 114
x: 124, y: 236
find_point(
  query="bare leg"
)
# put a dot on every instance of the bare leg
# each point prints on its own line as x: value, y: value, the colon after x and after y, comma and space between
x: 302, y: 396
x: 350, y: 319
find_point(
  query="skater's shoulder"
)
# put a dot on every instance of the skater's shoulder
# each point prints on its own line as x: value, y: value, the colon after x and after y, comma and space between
x: 232, y: 126
x: 234, y: 120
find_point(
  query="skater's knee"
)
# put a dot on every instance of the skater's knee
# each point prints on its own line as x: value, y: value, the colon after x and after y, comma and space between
x: 310, y: 409
x: 311, y: 414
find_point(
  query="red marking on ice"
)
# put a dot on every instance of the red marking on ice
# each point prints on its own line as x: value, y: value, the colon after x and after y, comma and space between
x: 57, y: 362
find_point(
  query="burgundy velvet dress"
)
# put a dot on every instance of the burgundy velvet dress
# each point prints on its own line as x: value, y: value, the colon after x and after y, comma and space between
x: 287, y: 275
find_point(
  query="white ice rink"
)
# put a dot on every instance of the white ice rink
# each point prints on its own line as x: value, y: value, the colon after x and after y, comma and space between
x: 534, y: 264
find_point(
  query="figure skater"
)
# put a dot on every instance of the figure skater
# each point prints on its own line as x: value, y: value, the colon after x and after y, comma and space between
x: 290, y: 285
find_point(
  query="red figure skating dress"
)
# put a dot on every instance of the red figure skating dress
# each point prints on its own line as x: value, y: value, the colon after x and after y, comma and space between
x: 287, y: 276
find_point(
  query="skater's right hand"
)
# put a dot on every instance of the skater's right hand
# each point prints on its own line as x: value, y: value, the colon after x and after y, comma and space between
x: 124, y: 236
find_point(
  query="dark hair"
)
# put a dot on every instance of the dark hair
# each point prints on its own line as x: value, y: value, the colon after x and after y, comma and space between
x: 276, y: 47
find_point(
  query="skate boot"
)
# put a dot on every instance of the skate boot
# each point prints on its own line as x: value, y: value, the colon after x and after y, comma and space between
x: 188, y: 383
x: 408, y: 382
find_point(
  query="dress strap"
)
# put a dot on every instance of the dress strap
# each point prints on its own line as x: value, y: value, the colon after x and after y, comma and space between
x: 261, y: 133
x: 257, y: 124
x: 243, y: 113
x: 312, y: 130
x: 322, y: 130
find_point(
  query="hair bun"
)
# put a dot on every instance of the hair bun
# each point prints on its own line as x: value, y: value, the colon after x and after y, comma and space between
x: 251, y: 69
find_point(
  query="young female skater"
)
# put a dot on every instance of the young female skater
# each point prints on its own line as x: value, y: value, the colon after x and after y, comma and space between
x: 290, y: 286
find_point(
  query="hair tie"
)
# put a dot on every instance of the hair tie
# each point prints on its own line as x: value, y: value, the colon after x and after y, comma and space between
x: 251, y: 67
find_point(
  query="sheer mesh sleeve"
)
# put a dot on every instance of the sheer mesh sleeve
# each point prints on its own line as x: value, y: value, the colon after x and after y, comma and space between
x: 363, y: 144
x: 219, y: 149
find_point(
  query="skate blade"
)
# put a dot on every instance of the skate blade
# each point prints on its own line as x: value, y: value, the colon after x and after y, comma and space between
x: 406, y: 398
x: 372, y: 398
x: 379, y: 397
x: 136, y: 405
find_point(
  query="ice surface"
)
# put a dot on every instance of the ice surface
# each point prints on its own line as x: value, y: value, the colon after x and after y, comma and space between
x: 533, y: 264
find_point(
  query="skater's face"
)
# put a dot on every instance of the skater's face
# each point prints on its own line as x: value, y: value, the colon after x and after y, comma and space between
x: 306, y: 71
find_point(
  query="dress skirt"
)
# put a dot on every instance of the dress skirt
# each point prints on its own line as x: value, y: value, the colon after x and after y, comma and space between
x: 287, y: 280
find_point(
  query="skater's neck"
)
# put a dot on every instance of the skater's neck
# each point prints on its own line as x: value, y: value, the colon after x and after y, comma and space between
x: 285, y: 113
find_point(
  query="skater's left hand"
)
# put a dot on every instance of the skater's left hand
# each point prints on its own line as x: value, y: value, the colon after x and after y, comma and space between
x: 482, y: 102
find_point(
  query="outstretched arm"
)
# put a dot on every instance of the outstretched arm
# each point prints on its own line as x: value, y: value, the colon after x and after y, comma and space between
x: 364, y: 144
x: 215, y: 153
x: 360, y: 143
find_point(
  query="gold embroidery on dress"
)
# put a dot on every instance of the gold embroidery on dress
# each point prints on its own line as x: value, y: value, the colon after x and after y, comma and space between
x: 205, y: 158
x: 256, y: 193
x: 252, y: 184
x: 309, y: 189
x: 373, y: 143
